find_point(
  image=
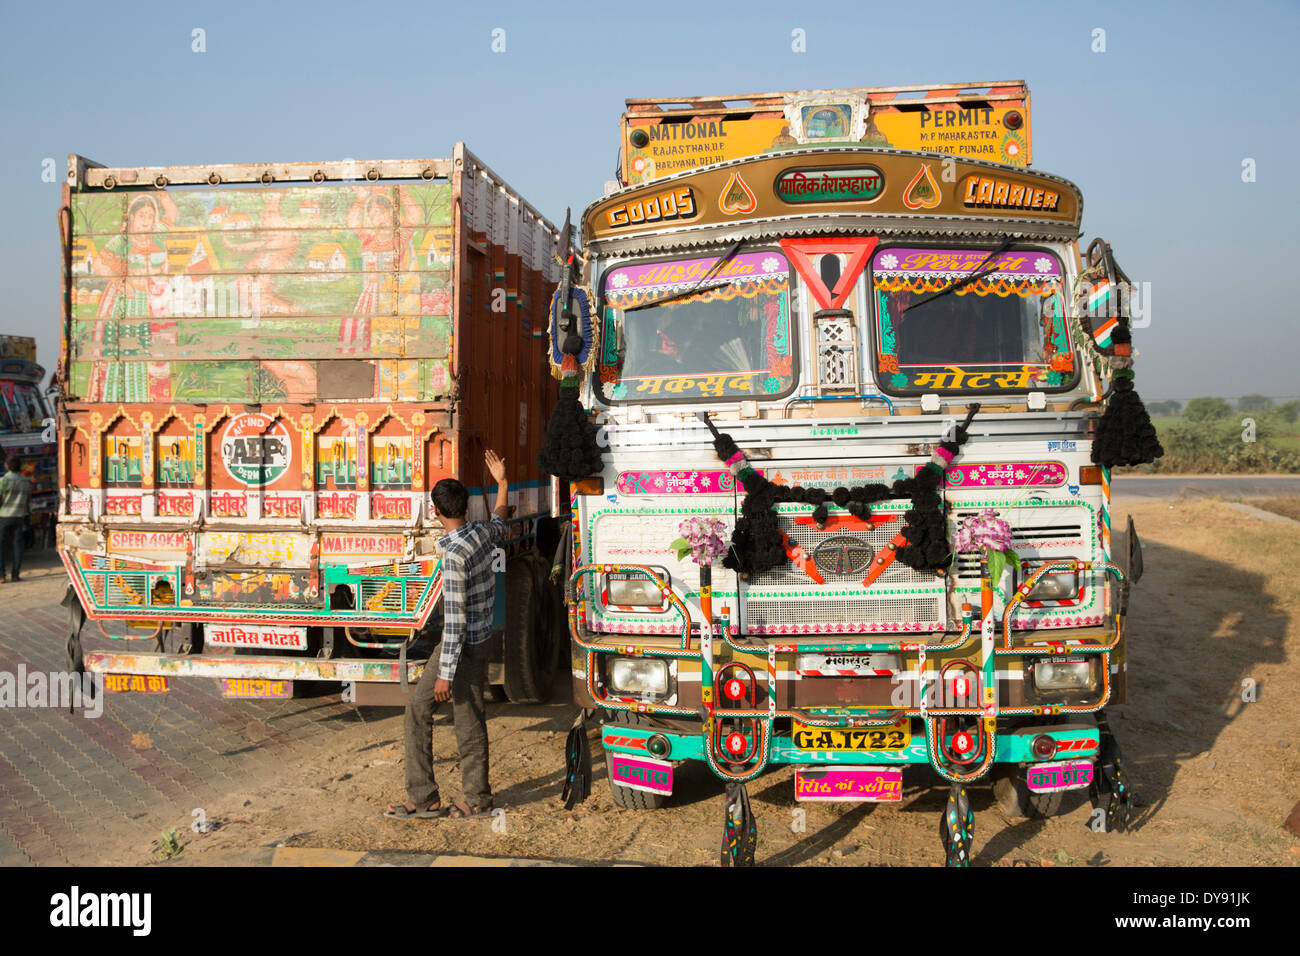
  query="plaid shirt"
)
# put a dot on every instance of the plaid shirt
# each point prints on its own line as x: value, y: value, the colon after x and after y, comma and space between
x: 468, y: 588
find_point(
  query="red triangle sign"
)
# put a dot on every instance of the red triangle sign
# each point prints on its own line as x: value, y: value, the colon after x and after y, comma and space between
x: 798, y: 251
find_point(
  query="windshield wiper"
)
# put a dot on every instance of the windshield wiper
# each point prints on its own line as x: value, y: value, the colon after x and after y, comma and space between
x: 687, y: 293
x: 978, y: 273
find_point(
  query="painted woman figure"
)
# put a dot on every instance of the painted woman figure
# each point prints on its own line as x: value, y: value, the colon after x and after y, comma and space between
x: 135, y: 260
x: 375, y: 221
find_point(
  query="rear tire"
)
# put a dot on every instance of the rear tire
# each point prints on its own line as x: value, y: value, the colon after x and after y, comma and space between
x: 527, y: 657
x: 627, y: 797
x: 1016, y: 800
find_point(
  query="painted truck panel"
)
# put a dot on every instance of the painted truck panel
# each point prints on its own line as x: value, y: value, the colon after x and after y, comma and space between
x: 262, y: 384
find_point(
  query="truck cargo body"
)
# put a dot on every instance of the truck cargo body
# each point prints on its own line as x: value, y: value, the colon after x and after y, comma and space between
x: 265, y: 371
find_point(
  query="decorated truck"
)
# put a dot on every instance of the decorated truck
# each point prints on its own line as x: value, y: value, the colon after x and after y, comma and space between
x: 26, y: 430
x: 265, y: 370
x: 841, y: 496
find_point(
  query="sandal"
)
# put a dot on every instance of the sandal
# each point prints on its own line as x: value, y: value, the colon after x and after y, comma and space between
x: 400, y: 811
x: 465, y: 811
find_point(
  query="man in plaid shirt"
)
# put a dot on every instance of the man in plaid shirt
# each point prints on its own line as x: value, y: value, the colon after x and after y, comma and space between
x: 468, y: 592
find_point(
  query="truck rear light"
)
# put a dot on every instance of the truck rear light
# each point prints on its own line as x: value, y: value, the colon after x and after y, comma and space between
x: 1090, y: 475
x: 657, y: 745
x: 589, y: 486
x: 1043, y: 747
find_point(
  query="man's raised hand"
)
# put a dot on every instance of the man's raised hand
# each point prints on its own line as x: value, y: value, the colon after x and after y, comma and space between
x: 496, y: 465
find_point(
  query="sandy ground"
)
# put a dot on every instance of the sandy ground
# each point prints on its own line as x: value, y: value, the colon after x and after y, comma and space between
x: 1215, y: 776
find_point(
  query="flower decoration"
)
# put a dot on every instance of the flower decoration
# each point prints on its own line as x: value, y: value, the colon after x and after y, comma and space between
x: 987, y: 532
x: 1043, y: 264
x: 888, y: 261
x: 1062, y: 362
x: 701, y: 539
x: 770, y: 264
x: 888, y: 363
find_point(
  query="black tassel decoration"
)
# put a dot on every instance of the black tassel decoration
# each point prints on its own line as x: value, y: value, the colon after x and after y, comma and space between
x: 1125, y: 434
x: 570, y: 450
x: 757, y: 544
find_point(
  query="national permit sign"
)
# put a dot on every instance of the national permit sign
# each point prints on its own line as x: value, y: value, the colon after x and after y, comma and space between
x: 256, y: 449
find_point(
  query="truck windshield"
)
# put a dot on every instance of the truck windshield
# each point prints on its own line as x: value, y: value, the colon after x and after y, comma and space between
x: 732, y: 339
x: 1003, y: 332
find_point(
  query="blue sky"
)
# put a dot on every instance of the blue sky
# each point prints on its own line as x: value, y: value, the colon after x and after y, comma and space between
x: 1154, y: 130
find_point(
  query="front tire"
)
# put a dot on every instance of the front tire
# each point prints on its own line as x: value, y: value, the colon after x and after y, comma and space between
x: 1016, y: 800
x: 627, y: 797
x: 528, y: 655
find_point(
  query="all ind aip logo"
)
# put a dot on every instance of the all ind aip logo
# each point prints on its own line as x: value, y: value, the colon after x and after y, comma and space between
x: 256, y: 449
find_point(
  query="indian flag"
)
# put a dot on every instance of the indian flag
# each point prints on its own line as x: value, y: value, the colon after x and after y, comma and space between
x: 1099, y: 301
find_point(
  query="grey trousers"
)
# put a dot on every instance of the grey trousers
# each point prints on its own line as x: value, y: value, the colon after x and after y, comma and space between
x: 470, y: 717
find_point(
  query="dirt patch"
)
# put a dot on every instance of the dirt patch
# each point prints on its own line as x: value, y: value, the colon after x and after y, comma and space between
x: 1213, y: 624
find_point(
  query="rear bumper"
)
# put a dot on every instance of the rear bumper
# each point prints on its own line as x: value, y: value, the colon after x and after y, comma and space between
x: 242, y: 665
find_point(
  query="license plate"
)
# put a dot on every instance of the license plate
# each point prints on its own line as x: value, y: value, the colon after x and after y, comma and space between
x: 849, y: 739
x: 135, y: 684
x: 256, y: 688
x: 849, y: 784
x: 642, y: 773
x: 1061, y: 775
x: 256, y: 635
x: 848, y: 665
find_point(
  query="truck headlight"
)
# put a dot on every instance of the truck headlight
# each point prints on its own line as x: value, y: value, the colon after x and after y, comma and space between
x: 633, y: 590
x: 645, y: 678
x: 1055, y: 586
x: 1062, y: 675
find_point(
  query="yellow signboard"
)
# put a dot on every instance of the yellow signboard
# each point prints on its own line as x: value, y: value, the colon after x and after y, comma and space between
x: 661, y: 138
x: 677, y: 147
x: 978, y: 133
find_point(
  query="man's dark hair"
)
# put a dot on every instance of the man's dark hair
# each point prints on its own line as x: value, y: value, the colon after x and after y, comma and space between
x: 450, y: 497
x: 14, y: 463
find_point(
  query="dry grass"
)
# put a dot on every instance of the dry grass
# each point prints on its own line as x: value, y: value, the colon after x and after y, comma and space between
x: 1288, y: 506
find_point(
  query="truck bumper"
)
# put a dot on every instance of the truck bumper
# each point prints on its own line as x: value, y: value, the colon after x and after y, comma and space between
x: 1079, y: 741
x: 243, y: 665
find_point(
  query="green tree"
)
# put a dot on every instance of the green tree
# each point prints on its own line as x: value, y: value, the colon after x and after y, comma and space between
x: 1254, y: 404
x: 1206, y: 409
x: 1288, y: 411
x: 1164, y: 409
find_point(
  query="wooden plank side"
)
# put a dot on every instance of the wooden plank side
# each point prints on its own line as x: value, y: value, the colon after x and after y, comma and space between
x: 166, y: 278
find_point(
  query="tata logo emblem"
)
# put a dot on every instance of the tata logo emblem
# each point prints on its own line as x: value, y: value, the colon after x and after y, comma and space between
x: 843, y: 554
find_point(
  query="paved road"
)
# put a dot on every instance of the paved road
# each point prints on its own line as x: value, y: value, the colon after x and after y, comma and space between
x: 1229, y: 486
x: 72, y: 786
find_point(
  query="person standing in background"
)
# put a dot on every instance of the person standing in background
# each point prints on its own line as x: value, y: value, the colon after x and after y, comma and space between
x: 15, y: 501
